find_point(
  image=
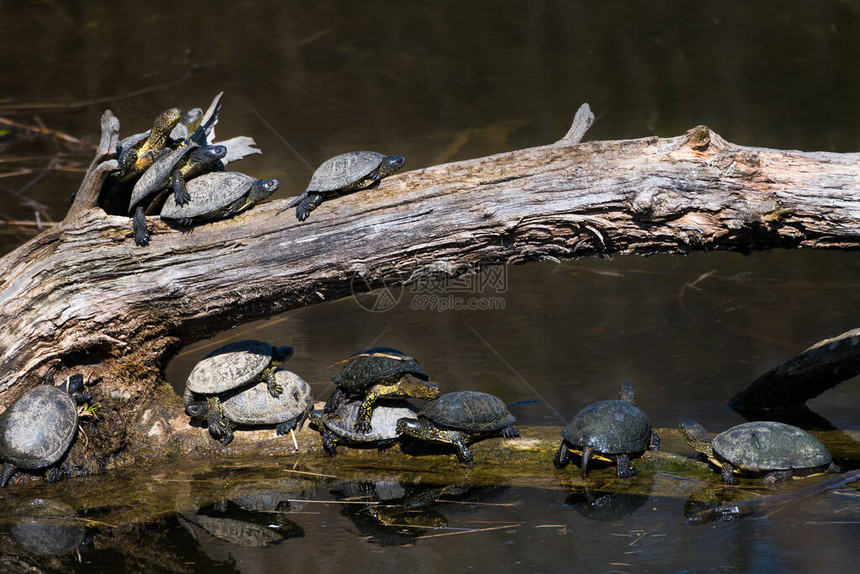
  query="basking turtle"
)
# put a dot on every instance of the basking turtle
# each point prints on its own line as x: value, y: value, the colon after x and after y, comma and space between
x: 255, y: 406
x: 234, y: 366
x: 375, y: 373
x: 170, y: 173
x: 775, y: 450
x: 608, y: 430
x: 338, y: 427
x: 136, y: 153
x: 343, y: 174
x: 218, y: 195
x: 461, y: 418
x: 38, y: 429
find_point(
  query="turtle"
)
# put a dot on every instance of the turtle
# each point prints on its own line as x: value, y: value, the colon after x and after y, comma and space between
x: 338, y: 427
x: 218, y: 195
x: 379, y: 372
x: 170, y: 173
x: 136, y: 153
x: 38, y: 429
x: 461, y: 418
x: 235, y: 366
x: 776, y: 451
x: 255, y: 406
x: 343, y: 174
x: 608, y: 430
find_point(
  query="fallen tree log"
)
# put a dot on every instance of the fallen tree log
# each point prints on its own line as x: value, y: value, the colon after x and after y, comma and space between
x: 84, y: 297
x: 805, y: 376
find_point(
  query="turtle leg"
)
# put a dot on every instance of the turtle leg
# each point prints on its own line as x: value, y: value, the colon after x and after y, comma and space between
x: 54, y: 474
x: 727, y: 471
x: 141, y: 234
x: 333, y: 401
x: 308, y: 204
x: 586, y: 455
x: 510, y: 432
x: 625, y: 469
x: 329, y: 441
x: 776, y: 476
x: 180, y: 192
x: 655, y: 441
x: 9, y: 471
x: 220, y: 426
x: 365, y: 411
x: 271, y: 383
x: 832, y: 468
x: 286, y: 427
x: 463, y: 452
x: 562, y: 455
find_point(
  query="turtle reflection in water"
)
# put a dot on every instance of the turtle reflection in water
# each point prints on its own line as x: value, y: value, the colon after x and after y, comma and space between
x: 775, y: 451
x: 391, y: 517
x: 608, y: 430
x: 343, y: 174
x: 47, y: 527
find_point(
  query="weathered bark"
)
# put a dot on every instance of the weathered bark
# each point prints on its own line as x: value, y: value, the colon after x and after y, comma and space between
x: 804, y: 376
x: 84, y: 297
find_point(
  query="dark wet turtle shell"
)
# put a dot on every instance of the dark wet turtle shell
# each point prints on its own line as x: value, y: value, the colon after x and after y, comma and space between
x: 470, y: 411
x: 256, y: 406
x: 763, y: 446
x: 610, y: 427
x: 372, y: 366
x: 238, y: 532
x: 219, y: 195
x: 383, y: 421
x: 37, y: 430
x: 344, y: 170
x: 230, y: 367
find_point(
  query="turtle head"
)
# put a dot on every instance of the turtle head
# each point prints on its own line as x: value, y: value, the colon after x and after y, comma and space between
x: 198, y: 410
x: 391, y: 164
x: 416, y: 428
x: 627, y: 393
x: 262, y: 189
x: 164, y: 124
x: 208, y: 154
x: 696, y: 436
x: 415, y: 387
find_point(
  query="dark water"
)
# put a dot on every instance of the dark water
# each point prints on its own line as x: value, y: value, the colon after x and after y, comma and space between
x: 453, y: 81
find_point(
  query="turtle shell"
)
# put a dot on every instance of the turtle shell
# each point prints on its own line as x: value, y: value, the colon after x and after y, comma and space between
x: 38, y: 428
x: 470, y: 411
x: 610, y: 427
x: 157, y: 176
x: 229, y: 367
x: 210, y: 194
x: 369, y: 367
x: 255, y: 406
x: 763, y: 445
x: 383, y: 420
x: 344, y: 170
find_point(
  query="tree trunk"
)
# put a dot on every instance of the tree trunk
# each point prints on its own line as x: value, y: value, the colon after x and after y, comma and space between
x: 84, y: 297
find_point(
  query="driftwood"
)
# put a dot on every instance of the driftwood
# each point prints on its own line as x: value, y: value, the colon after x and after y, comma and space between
x: 83, y: 297
x: 770, y: 504
x: 804, y: 376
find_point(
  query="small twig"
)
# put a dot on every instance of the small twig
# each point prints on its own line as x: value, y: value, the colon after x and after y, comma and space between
x: 45, y: 131
x: 470, y: 531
